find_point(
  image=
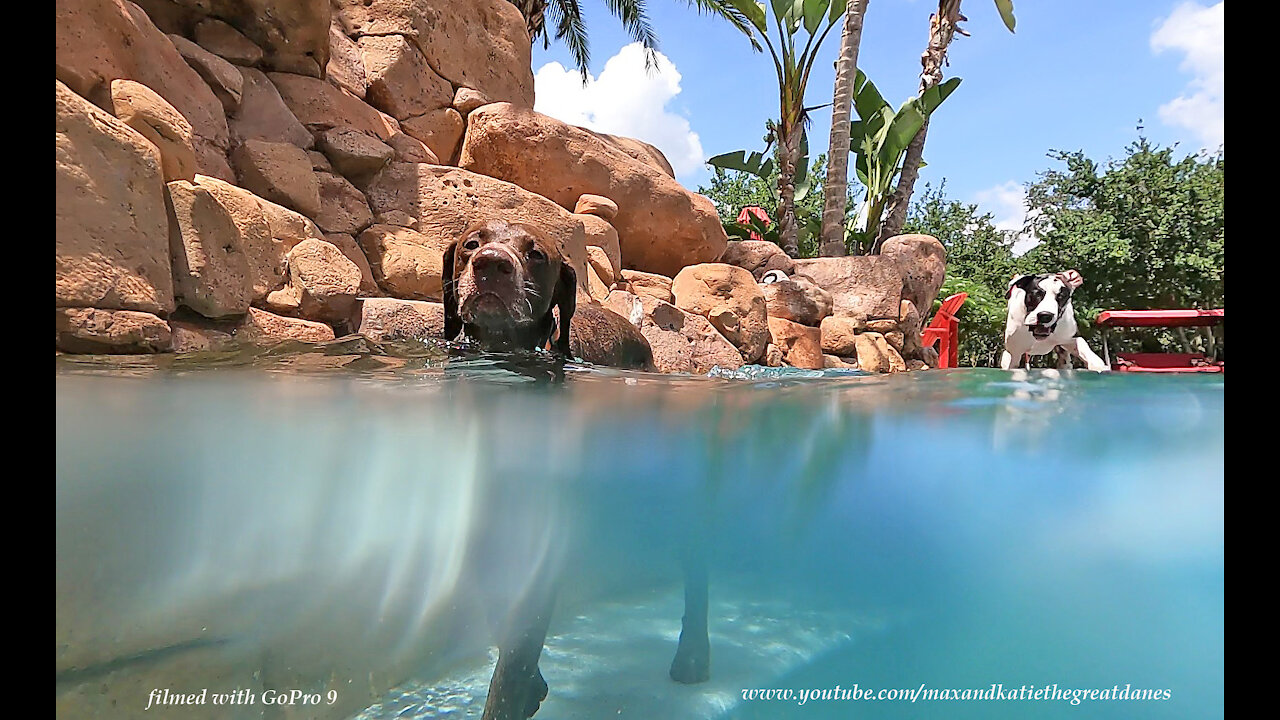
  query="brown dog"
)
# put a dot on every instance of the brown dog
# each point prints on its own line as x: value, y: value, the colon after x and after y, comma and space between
x: 502, y: 281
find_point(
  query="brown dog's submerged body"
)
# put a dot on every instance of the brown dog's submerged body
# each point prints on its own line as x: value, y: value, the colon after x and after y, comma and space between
x: 502, y: 282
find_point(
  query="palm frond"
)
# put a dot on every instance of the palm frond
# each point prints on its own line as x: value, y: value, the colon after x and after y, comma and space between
x: 570, y: 28
x: 726, y: 10
x: 636, y: 21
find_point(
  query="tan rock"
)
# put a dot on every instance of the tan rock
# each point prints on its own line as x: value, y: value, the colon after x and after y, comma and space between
x: 876, y: 355
x: 406, y: 264
x: 326, y: 280
x: 278, y: 172
x: 597, y: 289
x: 867, y: 285
x: 597, y: 205
x: 192, y: 335
x: 801, y: 345
x: 758, y: 257
x: 139, y: 107
x: 600, y: 262
x: 650, y: 284
x: 263, y: 253
x: 210, y: 271
x: 601, y: 234
x: 347, y: 244
x: 319, y: 162
x: 111, y: 232
x: 772, y: 357
x: 227, y: 43
x: 401, y: 82
x: 411, y: 150
x: 640, y: 150
x: 923, y: 263
x: 92, y: 330
x: 381, y: 319
x: 97, y: 41
x: 835, y: 361
x: 601, y: 336
x: 684, y: 342
x: 483, y: 44
x: 319, y: 105
x: 466, y: 99
x: 293, y: 34
x: 910, y: 324
x: 223, y: 78
x: 838, y: 334
x: 354, y: 154
x: 797, y: 299
x: 397, y: 217
x: 729, y: 297
x: 882, y: 326
x: 895, y: 339
x: 264, y: 116
x: 346, y: 63
x: 263, y: 328
x: 446, y: 200
x: 342, y: 207
x: 440, y: 130
x: 662, y: 227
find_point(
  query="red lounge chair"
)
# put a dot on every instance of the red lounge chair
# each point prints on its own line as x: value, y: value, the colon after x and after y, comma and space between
x: 945, y: 329
x: 1160, y: 362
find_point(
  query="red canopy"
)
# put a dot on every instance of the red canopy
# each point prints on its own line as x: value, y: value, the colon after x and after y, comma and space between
x: 1161, y: 318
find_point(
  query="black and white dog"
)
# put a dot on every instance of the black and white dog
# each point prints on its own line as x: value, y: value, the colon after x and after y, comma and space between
x: 1041, y: 320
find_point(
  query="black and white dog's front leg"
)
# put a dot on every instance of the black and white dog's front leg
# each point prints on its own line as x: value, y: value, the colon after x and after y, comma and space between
x: 517, y: 688
x: 692, y: 663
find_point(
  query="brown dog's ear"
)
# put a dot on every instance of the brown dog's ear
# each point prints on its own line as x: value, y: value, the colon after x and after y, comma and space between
x: 452, y: 321
x: 565, y: 298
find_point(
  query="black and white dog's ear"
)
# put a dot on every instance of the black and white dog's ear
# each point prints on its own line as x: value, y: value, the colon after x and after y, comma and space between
x: 566, y: 299
x: 1071, y: 278
x: 1012, y: 284
x: 452, y: 320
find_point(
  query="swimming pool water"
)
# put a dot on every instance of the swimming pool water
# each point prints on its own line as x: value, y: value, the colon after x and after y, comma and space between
x: 355, y: 515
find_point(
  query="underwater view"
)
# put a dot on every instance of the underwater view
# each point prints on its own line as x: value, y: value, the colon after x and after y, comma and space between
x: 362, y: 529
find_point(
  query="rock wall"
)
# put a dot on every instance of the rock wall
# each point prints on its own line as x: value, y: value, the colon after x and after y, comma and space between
x: 266, y: 170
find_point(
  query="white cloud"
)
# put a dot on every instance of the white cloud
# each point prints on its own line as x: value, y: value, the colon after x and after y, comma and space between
x: 625, y: 100
x: 1007, y: 203
x: 1198, y: 33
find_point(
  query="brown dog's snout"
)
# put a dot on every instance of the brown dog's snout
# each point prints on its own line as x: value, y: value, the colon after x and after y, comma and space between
x: 490, y: 263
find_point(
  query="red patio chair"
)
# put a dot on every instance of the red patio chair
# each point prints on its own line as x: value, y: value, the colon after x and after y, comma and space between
x: 945, y: 330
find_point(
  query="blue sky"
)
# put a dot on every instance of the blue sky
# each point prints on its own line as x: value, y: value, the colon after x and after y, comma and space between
x: 1075, y: 75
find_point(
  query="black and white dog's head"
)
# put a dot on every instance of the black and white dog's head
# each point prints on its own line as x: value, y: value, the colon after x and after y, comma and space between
x: 1045, y: 301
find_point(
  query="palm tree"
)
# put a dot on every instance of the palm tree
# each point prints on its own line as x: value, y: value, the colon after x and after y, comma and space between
x: 566, y: 16
x: 837, y: 183
x: 943, y: 26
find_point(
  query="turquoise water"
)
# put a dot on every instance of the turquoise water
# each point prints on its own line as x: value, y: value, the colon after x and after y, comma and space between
x: 349, y: 512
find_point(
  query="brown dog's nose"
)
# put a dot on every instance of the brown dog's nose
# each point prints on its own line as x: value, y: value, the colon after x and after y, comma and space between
x: 491, y: 263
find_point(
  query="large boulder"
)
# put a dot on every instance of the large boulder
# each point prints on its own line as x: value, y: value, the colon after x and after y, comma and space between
x: 210, y: 269
x: 342, y: 207
x: 868, y: 286
x: 640, y: 150
x: 480, y: 44
x: 730, y: 298
x: 263, y: 328
x: 226, y: 42
x: 91, y: 330
x: 876, y: 356
x: 839, y: 334
x: 601, y: 336
x: 681, y: 342
x: 223, y: 78
x: 797, y: 299
x: 325, y: 280
x: 97, y: 41
x: 406, y: 264
x: 321, y: 105
x: 446, y: 200
x: 758, y: 257
x: 923, y: 261
x: 651, y: 284
x: 800, y: 345
x: 263, y: 114
x: 662, y: 226
x: 354, y: 154
x: 111, y: 233
x: 139, y: 107
x: 393, y: 319
x: 400, y: 82
x: 346, y: 62
x: 288, y: 35
x: 279, y: 172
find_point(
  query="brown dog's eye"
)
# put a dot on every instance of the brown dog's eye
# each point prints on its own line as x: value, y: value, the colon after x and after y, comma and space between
x: 471, y: 244
x: 537, y: 255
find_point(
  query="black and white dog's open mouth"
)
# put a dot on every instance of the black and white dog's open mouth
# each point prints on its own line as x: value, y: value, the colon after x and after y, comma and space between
x: 1040, y: 332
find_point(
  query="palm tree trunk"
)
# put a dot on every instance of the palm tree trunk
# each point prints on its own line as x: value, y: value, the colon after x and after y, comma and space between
x: 788, y: 153
x: 942, y: 28
x: 836, y: 189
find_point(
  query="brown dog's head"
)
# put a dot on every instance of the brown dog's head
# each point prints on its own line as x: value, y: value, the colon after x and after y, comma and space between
x: 501, y: 281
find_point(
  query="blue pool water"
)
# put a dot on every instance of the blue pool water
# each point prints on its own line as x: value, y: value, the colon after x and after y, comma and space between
x: 368, y: 520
